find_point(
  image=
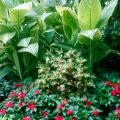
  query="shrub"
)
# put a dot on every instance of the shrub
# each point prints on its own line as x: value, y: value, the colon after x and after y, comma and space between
x: 66, y: 73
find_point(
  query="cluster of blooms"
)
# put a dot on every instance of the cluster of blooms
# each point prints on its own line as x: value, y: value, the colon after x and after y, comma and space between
x: 115, y: 90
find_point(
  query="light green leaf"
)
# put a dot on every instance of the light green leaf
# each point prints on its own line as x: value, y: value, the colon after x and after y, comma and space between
x: 24, y: 42
x: 32, y: 48
x: 89, y: 13
x: 17, y: 14
x: 107, y: 12
x: 4, y: 72
x: 6, y: 37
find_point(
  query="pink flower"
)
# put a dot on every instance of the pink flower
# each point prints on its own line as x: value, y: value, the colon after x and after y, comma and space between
x: 26, y: 118
x: 96, y: 113
x: 74, y: 118
x: 9, y: 104
x: 59, y: 118
x: 84, y: 99
x: 88, y: 103
x: 9, y: 96
x: 44, y: 114
x: 60, y: 106
x: 13, y: 94
x: 115, y: 86
x: 16, y: 85
x: 31, y: 106
x: 21, y: 85
x: 21, y: 95
x: 69, y: 112
x: 109, y: 83
x: 37, y: 92
x: 3, y: 111
x: 113, y: 93
x: 118, y: 110
x: 118, y: 115
x: 65, y: 101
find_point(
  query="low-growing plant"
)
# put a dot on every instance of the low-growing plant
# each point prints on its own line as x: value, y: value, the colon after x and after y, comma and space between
x: 65, y: 73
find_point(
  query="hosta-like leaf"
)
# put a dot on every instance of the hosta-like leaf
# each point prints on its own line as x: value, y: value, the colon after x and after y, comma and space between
x: 17, y: 14
x: 24, y: 42
x: 85, y: 36
x: 89, y: 13
x: 6, y: 37
x: 107, y: 12
x: 32, y: 49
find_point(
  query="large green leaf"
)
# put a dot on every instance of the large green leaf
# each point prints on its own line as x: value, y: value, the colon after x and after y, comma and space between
x: 32, y: 49
x: 24, y: 42
x: 4, y: 72
x: 17, y: 14
x: 107, y: 12
x: 86, y: 36
x: 6, y: 37
x: 89, y: 13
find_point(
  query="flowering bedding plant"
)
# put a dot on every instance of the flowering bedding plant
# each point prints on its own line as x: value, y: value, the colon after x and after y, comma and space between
x: 31, y: 103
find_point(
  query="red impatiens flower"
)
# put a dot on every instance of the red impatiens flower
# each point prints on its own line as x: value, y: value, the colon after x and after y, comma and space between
x: 26, y: 118
x: 109, y: 83
x: 113, y: 93
x: 84, y: 99
x: 69, y: 112
x: 21, y: 104
x: 16, y: 85
x: 60, y: 106
x: 37, y: 92
x: 44, y: 114
x: 65, y: 101
x: 96, y: 113
x: 88, y: 103
x: 3, y: 111
x: 9, y: 96
x: 59, y: 118
x: 13, y: 94
x: 21, y: 85
x: 31, y: 106
x: 21, y: 95
x: 74, y: 118
x: 9, y: 104
x: 118, y: 115
x: 115, y: 86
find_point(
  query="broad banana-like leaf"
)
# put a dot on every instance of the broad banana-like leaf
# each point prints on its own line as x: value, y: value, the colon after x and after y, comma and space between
x: 6, y: 37
x: 53, y: 19
x: 32, y: 49
x: 89, y: 13
x: 85, y: 36
x: 107, y: 12
x: 18, y: 13
x: 24, y: 42
x: 99, y: 50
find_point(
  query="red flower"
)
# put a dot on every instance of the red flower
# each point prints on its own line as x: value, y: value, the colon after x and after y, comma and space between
x: 88, y: 103
x: 84, y: 99
x: 117, y: 91
x: 118, y: 115
x: 65, y: 101
x: 37, y: 92
x: 3, y: 111
x: 74, y: 118
x: 21, y: 95
x: 59, y: 118
x: 69, y: 112
x: 31, y: 106
x: 118, y: 110
x: 95, y: 112
x: 60, y: 106
x: 115, y: 86
x: 44, y: 114
x: 21, y: 85
x: 16, y: 85
x: 113, y: 93
x: 9, y: 104
x: 109, y: 83
x: 9, y: 96
x: 26, y: 118
x: 13, y: 94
